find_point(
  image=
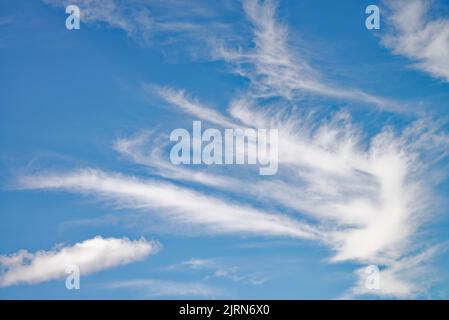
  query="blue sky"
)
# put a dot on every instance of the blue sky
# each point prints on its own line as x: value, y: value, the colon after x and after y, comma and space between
x: 86, y: 178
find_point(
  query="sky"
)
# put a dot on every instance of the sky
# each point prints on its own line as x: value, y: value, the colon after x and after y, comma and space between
x: 86, y: 177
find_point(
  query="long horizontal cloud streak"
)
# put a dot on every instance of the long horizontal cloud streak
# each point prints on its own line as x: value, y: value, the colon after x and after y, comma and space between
x: 158, y: 288
x: 90, y: 256
x: 174, y: 203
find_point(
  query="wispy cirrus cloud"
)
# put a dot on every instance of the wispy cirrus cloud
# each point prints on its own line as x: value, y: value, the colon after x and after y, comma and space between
x: 364, y: 195
x: 375, y: 194
x: 419, y: 36
x: 213, y: 268
x: 190, y: 105
x: 136, y: 148
x: 276, y: 70
x: 151, y: 288
x: 174, y: 203
x: 405, y: 278
x: 373, y: 201
x: 90, y: 256
x: 145, y: 20
x: 134, y: 18
x: 5, y: 21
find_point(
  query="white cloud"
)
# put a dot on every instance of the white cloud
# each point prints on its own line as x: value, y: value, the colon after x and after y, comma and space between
x: 272, y: 67
x: 90, y: 256
x: 405, y: 278
x: 144, y: 20
x: 180, y: 99
x: 136, y: 19
x: 175, y: 204
x: 420, y: 37
x: 198, y: 263
x: 214, y: 268
x: 375, y: 194
x: 158, y: 288
x: 365, y: 197
x: 136, y: 148
x: 275, y: 71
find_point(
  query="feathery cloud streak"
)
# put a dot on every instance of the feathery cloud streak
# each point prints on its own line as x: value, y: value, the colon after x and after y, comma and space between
x: 175, y: 203
x: 419, y: 37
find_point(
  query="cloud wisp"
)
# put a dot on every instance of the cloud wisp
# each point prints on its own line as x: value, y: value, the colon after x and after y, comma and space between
x: 174, y: 203
x: 151, y: 288
x: 145, y: 21
x: 136, y: 20
x: 215, y: 269
x: 275, y: 70
x: 272, y: 66
x: 419, y: 37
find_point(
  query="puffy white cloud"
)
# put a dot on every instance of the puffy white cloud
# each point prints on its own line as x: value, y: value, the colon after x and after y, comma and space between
x: 89, y: 255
